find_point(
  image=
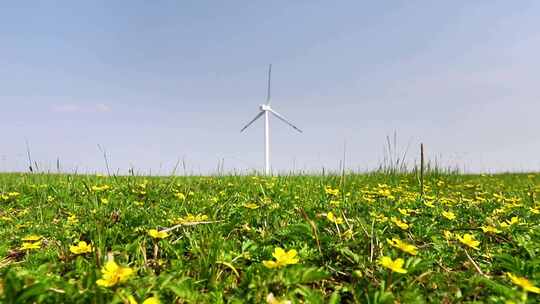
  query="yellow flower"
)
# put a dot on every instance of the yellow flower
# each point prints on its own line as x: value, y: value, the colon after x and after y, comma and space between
x: 386, y: 193
x: 489, y: 229
x: 100, y: 188
x: 29, y: 246
x: 448, y: 234
x: 395, y: 266
x: 270, y: 299
x: 32, y: 238
x: 157, y: 234
x: 348, y: 234
x: 368, y: 199
x: 523, y: 283
x: 512, y: 221
x: 72, y: 219
x: 251, y: 206
x: 403, y: 211
x: 179, y: 195
x: 332, y: 218
x: 403, y: 246
x: 151, y: 300
x: 535, y: 210
x: 246, y: 227
x: 80, y: 248
x: 379, y: 217
x: 330, y: 191
x: 190, y: 219
x: 401, y: 224
x: 469, y: 240
x: 282, y: 258
x: 6, y: 218
x: 104, y: 201
x: 449, y: 215
x: 429, y: 204
x: 113, y: 274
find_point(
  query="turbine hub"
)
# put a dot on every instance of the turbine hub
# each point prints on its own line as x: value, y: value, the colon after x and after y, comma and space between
x: 265, y: 107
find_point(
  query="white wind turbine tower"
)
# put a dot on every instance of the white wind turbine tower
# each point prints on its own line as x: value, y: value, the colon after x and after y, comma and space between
x: 266, y: 109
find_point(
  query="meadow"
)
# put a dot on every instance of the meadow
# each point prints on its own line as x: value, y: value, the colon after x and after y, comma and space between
x: 366, y: 238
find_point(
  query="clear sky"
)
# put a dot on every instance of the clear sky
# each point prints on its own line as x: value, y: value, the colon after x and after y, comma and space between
x: 157, y: 81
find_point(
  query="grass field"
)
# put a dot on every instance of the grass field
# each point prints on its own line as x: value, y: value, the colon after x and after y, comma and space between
x: 370, y: 238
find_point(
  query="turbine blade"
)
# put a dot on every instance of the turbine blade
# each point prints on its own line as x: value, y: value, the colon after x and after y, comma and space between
x: 253, y: 120
x: 268, y: 87
x: 280, y: 117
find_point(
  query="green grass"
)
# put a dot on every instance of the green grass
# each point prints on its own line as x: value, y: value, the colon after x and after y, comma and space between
x: 225, y: 227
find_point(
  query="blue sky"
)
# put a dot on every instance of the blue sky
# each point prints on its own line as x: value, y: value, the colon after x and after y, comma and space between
x: 157, y: 81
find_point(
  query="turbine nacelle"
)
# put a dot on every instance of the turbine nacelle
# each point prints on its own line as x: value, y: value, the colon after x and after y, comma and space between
x: 265, y: 107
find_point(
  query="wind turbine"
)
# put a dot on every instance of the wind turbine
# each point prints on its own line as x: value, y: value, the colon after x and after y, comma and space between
x: 266, y: 110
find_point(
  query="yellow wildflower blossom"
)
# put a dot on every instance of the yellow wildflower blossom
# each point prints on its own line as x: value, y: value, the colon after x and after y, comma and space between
x: 157, y: 234
x: 404, y: 211
x: 498, y: 211
x: 330, y: 191
x: 271, y: 299
x: 113, y: 274
x: 449, y: 215
x: 401, y: 224
x: 403, y: 246
x: 332, y: 218
x: 190, y: 218
x: 429, y: 203
x: 151, y: 300
x: 251, y: 206
x: 386, y: 193
x: 489, y: 229
x: 514, y: 220
x: 523, y: 283
x: 368, y: 199
x: 282, y: 258
x: 32, y: 238
x: 31, y: 245
x: 100, y: 188
x: 395, y: 266
x: 81, y: 248
x: 72, y: 219
x: 379, y: 217
x: 469, y: 240
x: 348, y: 234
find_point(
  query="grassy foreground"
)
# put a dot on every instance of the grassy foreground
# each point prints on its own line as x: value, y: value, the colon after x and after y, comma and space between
x: 305, y: 239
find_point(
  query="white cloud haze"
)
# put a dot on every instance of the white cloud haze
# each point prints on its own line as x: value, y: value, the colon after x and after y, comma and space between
x: 78, y: 108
